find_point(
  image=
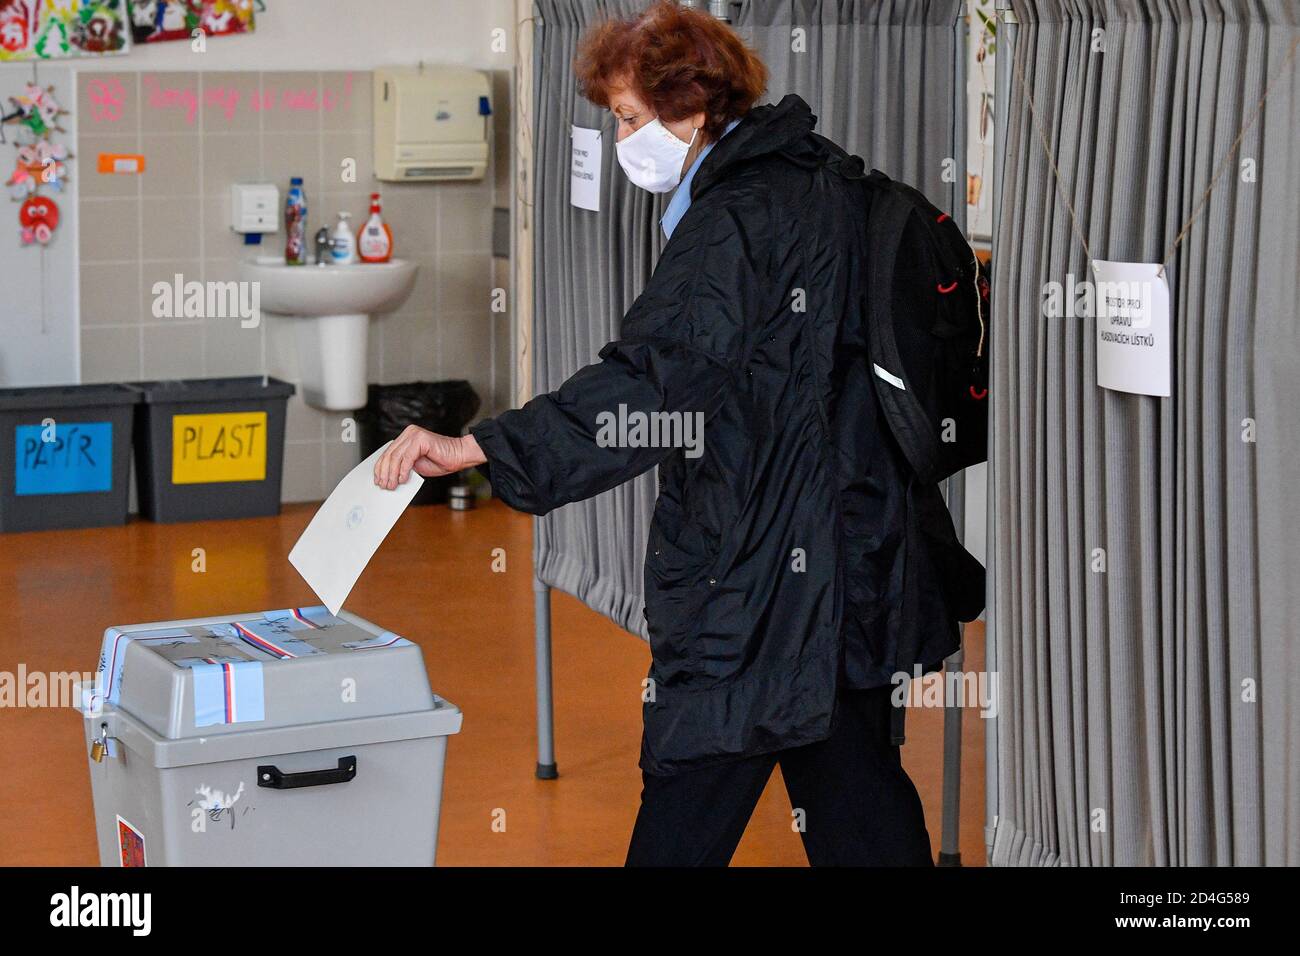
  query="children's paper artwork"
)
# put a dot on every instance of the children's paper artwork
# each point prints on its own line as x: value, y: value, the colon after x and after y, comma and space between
x: 155, y: 21
x: 38, y: 164
x: 57, y: 29
x: 38, y: 217
x: 37, y: 109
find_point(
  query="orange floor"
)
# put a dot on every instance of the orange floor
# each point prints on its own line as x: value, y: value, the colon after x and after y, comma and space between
x: 432, y: 582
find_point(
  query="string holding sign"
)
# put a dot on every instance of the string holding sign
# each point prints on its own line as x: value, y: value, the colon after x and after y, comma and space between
x: 1220, y: 168
x: 1131, y: 300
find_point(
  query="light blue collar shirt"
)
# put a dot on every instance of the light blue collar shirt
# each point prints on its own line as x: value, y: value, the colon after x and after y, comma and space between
x: 681, y: 200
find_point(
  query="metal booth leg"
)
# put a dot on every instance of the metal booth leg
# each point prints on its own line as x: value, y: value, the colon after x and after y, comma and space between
x: 954, y: 684
x: 546, y: 767
x: 950, y: 841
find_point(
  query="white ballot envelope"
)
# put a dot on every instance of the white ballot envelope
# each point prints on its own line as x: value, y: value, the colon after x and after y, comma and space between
x: 348, y: 529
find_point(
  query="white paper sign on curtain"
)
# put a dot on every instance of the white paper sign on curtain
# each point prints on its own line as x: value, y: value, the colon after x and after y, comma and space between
x: 1134, y: 351
x: 584, y: 181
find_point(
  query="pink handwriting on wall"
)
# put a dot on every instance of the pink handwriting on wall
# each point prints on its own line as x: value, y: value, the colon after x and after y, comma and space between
x: 106, y: 99
x: 342, y: 101
x: 161, y: 98
x: 225, y: 99
x: 301, y: 101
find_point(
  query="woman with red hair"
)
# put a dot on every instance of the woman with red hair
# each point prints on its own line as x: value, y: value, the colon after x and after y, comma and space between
x: 777, y: 598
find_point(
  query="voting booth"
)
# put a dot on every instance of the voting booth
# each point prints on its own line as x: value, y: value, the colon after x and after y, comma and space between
x: 65, y: 456
x: 290, y: 737
x: 210, y: 448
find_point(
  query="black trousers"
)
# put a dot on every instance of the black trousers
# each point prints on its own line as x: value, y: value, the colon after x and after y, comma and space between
x: 859, y: 807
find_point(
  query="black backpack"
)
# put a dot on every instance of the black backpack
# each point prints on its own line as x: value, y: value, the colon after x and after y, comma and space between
x: 928, y: 330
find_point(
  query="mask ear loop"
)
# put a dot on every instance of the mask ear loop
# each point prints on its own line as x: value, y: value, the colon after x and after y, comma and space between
x: 682, y: 172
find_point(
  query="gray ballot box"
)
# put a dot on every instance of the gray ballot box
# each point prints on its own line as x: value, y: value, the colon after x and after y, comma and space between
x: 291, y: 737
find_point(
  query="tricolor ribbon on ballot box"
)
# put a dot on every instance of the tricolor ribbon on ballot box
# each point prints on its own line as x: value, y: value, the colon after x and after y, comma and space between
x: 228, y: 688
x: 228, y: 692
x: 319, y: 618
x: 386, y: 639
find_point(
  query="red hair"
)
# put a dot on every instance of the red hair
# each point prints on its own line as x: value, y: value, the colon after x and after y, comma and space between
x: 678, y: 60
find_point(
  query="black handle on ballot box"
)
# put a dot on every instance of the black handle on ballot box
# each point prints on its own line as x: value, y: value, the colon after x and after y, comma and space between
x: 275, y: 778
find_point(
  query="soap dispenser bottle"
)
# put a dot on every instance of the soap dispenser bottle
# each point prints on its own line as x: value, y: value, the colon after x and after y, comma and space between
x: 375, y: 240
x: 343, y: 252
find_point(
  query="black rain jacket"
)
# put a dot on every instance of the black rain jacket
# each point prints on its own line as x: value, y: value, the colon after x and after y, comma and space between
x: 798, y: 553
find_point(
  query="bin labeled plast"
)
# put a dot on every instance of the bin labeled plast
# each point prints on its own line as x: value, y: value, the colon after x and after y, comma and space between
x: 210, y: 448
x: 65, y: 456
x: 288, y: 737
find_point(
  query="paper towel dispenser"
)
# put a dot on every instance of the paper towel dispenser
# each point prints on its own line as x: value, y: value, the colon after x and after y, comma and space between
x: 431, y: 123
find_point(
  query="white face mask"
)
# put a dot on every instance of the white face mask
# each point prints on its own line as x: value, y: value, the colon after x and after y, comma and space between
x: 653, y: 156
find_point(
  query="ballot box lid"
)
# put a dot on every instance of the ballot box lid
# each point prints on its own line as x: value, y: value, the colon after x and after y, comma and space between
x: 271, y: 670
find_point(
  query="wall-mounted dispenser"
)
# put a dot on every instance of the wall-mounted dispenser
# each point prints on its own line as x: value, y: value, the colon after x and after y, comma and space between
x: 431, y: 123
x: 254, y: 208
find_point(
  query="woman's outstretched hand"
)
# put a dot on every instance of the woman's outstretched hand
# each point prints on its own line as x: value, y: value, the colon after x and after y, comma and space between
x: 427, y: 453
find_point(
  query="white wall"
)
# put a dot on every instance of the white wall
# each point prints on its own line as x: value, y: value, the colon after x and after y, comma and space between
x: 38, y: 287
x: 348, y: 35
x: 979, y: 126
x: 979, y: 221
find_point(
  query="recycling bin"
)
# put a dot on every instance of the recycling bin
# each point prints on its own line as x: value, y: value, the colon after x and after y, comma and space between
x: 442, y: 407
x: 65, y: 456
x: 209, y: 448
x: 289, y: 737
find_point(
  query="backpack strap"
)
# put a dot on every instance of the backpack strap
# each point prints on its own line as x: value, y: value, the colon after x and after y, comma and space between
x: 890, y: 212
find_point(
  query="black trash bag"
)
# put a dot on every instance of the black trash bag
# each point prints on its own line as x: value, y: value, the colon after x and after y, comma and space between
x: 442, y: 407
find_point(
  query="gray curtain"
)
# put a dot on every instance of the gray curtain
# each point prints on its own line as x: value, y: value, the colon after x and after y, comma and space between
x: 884, y: 78
x: 1149, y: 712
x: 883, y: 75
x: 589, y: 269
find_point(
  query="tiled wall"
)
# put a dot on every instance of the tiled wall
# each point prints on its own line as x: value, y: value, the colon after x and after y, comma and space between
x: 138, y: 230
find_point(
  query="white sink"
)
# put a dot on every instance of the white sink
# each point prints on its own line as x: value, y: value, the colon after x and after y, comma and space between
x: 314, y: 290
x: 331, y: 307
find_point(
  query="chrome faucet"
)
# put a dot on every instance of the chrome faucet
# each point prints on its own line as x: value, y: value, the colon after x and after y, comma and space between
x: 324, y: 245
